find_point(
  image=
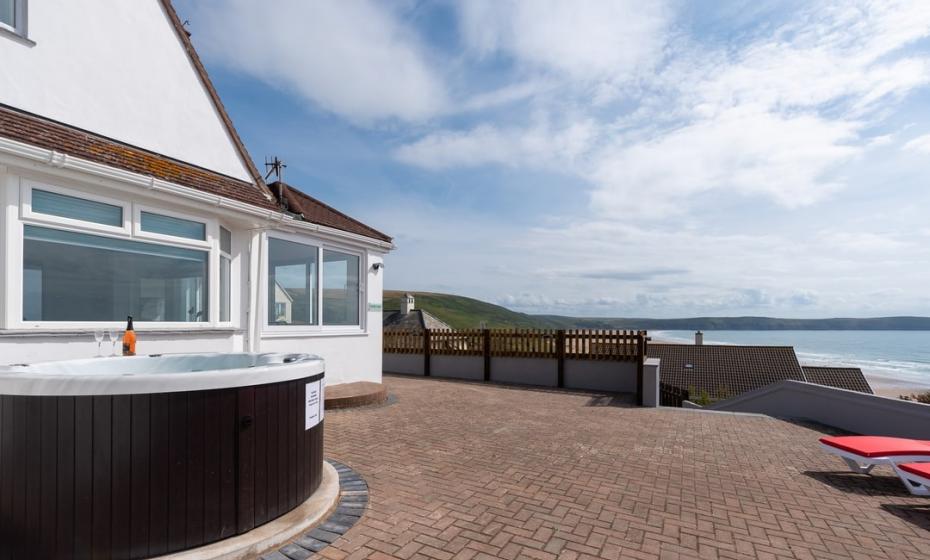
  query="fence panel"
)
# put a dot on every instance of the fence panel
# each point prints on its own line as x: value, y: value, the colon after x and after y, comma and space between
x: 603, y: 345
x: 403, y: 342
x: 523, y: 343
x: 447, y: 342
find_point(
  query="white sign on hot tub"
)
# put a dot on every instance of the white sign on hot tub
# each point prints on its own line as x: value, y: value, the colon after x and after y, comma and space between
x: 314, y: 404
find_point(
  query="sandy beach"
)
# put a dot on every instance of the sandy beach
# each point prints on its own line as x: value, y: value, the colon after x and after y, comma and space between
x: 881, y: 387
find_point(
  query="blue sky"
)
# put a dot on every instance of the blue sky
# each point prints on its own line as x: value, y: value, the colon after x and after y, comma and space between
x: 609, y: 158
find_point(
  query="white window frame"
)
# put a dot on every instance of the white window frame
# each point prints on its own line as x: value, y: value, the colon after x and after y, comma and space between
x: 271, y: 331
x: 131, y: 231
x: 233, y: 291
x: 20, y: 19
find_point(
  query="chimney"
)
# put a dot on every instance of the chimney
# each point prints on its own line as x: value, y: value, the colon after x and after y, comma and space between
x: 406, y: 304
x: 698, y: 338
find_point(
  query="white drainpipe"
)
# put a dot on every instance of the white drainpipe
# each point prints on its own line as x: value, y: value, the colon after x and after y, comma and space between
x: 255, y: 292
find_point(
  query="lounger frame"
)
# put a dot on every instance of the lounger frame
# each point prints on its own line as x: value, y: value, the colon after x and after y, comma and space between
x: 864, y: 465
x: 916, y: 484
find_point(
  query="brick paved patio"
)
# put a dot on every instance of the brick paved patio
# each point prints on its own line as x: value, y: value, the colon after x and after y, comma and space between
x: 461, y: 470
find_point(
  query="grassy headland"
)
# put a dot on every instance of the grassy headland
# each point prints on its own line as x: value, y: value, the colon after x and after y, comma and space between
x: 467, y: 313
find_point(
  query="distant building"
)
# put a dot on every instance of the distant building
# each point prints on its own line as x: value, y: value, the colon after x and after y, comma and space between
x: 724, y: 371
x: 409, y: 318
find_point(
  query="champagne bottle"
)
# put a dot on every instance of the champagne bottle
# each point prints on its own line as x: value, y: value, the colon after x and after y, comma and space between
x: 129, y: 339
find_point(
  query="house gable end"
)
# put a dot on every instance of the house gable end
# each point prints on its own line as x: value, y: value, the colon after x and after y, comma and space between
x: 126, y: 71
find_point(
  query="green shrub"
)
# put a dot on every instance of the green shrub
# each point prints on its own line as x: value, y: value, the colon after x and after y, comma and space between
x: 917, y: 397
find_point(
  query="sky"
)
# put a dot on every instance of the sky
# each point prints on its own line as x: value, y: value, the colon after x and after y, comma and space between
x: 604, y: 158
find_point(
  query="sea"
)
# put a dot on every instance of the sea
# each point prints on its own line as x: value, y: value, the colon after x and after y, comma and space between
x: 889, y: 359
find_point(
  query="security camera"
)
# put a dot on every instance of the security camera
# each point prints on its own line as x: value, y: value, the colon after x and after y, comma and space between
x: 377, y: 266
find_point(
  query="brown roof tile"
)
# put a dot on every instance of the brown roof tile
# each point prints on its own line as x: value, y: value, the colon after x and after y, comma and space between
x: 52, y: 135
x: 840, y: 377
x: 318, y: 212
x: 724, y: 370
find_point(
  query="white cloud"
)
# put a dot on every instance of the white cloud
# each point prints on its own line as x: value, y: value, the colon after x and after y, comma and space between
x: 540, y: 146
x: 827, y: 53
x: 352, y: 57
x: 589, y: 40
x: 775, y: 116
x: 744, y: 151
x: 920, y: 144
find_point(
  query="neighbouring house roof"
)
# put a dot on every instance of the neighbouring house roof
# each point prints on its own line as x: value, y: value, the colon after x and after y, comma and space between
x: 724, y: 370
x: 850, y: 378
x: 416, y: 320
x: 52, y: 135
x: 313, y: 210
x: 727, y: 370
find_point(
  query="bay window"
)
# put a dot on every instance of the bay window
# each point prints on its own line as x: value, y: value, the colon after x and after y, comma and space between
x: 88, y: 258
x: 91, y: 259
x: 312, y: 286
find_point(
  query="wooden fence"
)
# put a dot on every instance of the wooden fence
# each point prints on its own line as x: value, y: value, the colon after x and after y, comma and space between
x: 559, y: 345
x: 575, y: 344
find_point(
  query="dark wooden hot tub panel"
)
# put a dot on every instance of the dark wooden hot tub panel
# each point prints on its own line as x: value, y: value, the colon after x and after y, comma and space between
x: 133, y: 476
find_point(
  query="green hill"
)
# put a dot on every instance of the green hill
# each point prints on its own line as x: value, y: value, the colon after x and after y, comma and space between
x: 466, y: 313
x: 461, y: 312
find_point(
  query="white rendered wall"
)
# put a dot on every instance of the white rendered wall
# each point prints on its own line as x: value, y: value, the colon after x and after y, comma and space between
x: 407, y: 364
x: 32, y: 349
x: 118, y: 69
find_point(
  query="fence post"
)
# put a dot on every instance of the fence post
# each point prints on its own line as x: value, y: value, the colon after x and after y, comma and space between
x: 486, y: 333
x: 560, y: 355
x: 426, y: 352
x: 640, y: 359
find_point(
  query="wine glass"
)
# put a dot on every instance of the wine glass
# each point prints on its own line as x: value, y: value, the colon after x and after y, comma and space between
x: 114, y: 338
x: 98, y: 336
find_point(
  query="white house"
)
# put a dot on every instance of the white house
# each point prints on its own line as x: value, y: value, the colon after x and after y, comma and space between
x: 125, y: 190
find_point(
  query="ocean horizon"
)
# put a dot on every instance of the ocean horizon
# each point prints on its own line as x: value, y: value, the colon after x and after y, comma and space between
x: 889, y: 359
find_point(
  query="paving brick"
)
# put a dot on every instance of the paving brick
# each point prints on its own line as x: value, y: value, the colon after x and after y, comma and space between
x: 462, y: 471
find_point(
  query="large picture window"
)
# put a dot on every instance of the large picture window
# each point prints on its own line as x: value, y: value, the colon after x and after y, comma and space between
x: 312, y: 286
x: 78, y: 277
x: 292, y: 283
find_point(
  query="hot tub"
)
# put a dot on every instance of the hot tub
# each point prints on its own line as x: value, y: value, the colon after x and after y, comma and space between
x: 136, y: 457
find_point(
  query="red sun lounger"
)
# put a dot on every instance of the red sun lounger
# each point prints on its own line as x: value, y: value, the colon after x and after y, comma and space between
x: 862, y: 453
x: 916, y: 476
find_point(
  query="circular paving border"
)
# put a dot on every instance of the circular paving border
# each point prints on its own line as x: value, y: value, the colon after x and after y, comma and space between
x: 353, y: 499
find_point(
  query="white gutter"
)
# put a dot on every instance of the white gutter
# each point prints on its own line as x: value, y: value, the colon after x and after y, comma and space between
x: 59, y: 160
